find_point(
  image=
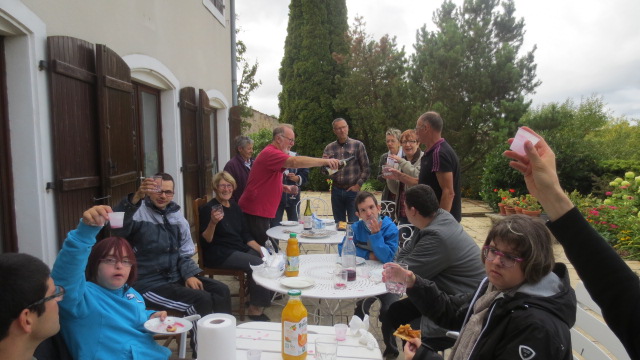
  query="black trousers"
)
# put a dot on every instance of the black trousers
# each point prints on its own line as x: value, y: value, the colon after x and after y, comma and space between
x: 175, y: 296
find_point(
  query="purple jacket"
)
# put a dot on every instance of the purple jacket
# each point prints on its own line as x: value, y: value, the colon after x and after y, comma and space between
x: 240, y: 173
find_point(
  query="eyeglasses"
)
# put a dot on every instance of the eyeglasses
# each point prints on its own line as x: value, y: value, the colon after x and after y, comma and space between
x: 405, y: 142
x: 58, y: 294
x: 165, y: 192
x: 225, y: 186
x: 290, y: 140
x: 506, y: 260
x: 114, y: 261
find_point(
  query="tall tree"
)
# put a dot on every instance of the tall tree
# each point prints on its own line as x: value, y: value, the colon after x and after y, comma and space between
x: 248, y: 82
x: 373, y: 92
x: 308, y: 73
x: 472, y: 71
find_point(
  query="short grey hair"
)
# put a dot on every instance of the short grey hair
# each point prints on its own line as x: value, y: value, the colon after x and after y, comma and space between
x: 279, y: 130
x: 338, y: 120
x: 242, y: 141
x: 394, y: 132
x: 433, y: 119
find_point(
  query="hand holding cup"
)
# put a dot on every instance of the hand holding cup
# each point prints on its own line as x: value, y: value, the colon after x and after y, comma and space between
x: 395, y: 277
x: 217, y: 213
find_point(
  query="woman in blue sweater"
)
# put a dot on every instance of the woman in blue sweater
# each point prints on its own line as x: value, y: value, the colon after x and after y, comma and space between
x: 101, y: 316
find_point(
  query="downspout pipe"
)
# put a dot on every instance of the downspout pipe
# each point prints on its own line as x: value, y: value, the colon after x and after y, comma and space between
x: 234, y: 65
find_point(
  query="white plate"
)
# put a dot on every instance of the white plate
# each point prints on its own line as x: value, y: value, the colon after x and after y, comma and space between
x: 288, y: 223
x: 318, y: 234
x: 359, y: 260
x: 297, y: 282
x: 154, y: 325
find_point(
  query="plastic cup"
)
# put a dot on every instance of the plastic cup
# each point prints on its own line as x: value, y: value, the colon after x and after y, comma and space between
x: 326, y: 348
x: 341, y: 331
x: 521, y: 137
x: 385, y: 170
x: 340, y: 279
x: 158, y: 180
x: 396, y: 279
x: 254, y: 354
x: 116, y: 219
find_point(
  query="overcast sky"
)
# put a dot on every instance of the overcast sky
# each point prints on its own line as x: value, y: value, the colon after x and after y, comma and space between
x: 585, y: 47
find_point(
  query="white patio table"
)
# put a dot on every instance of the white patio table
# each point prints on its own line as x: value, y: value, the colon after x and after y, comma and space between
x: 320, y: 267
x: 281, y: 233
x: 266, y: 336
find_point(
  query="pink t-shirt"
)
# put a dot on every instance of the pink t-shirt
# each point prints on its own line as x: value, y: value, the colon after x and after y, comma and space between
x: 262, y: 195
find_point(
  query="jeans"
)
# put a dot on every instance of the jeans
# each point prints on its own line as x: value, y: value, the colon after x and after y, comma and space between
x: 343, y: 205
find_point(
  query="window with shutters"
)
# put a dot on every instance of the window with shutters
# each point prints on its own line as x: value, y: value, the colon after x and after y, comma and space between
x: 149, y: 128
x: 216, y: 7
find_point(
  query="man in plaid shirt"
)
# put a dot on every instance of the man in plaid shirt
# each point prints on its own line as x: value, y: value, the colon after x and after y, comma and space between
x: 347, y: 181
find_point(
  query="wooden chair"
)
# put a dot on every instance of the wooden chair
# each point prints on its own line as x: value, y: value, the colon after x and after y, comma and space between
x: 240, y: 275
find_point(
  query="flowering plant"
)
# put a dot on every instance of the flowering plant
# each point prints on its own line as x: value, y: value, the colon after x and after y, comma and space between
x: 530, y: 203
x: 504, y: 194
x: 330, y: 182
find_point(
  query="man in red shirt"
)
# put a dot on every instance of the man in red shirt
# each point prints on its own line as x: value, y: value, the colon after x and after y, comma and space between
x: 261, y: 197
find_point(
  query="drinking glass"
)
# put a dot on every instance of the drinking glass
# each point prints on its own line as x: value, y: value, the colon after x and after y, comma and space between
x: 396, y: 278
x: 326, y: 348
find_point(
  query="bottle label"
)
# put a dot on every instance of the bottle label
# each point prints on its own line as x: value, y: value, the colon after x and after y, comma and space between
x: 295, y: 337
x: 307, y: 222
x: 293, y: 263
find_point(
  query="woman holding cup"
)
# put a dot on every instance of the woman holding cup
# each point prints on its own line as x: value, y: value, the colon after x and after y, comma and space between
x: 523, y: 308
x: 227, y: 243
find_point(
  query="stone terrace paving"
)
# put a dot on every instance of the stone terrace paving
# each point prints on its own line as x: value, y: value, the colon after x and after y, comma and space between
x: 475, y: 222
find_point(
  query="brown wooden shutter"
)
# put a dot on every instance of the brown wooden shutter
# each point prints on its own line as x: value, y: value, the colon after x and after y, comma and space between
x: 76, y: 157
x: 120, y: 163
x: 209, y: 134
x: 235, y: 126
x: 190, y: 169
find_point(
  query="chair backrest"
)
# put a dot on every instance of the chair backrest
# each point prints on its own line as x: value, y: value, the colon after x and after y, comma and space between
x: 405, y: 233
x: 388, y: 208
x: 590, y: 326
x: 318, y: 206
x: 197, y: 204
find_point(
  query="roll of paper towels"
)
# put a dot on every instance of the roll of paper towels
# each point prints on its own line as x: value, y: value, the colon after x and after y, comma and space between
x: 217, y: 337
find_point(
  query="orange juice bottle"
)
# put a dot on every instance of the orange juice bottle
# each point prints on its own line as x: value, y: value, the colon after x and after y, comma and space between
x: 293, y: 256
x: 294, y: 328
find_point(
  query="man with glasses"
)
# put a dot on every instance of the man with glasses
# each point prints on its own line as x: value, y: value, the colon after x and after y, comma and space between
x: 28, y: 303
x: 440, y: 167
x: 161, y: 238
x: 262, y: 195
x: 440, y: 251
x: 347, y: 181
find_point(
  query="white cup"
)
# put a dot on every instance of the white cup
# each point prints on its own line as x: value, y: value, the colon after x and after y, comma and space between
x: 341, y: 331
x: 521, y: 137
x: 116, y: 219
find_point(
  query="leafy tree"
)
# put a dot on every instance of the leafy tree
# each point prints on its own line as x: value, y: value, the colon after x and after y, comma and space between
x: 373, y: 91
x: 617, y: 140
x: 248, y: 82
x: 470, y: 71
x: 261, y: 139
x: 566, y: 127
x: 308, y: 73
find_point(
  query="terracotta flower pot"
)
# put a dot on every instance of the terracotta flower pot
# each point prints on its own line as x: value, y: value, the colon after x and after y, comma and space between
x: 502, y: 211
x: 534, y: 213
x: 518, y: 209
x: 509, y: 210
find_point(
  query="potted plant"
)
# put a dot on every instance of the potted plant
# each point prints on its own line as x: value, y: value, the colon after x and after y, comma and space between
x: 510, y: 204
x: 533, y: 207
x: 504, y: 195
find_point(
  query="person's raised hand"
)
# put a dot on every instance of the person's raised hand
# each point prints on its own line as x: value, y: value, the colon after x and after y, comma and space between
x: 393, y: 174
x: 97, y: 215
x: 539, y: 169
x: 216, y: 216
x: 332, y: 163
x: 396, y: 158
x: 147, y: 186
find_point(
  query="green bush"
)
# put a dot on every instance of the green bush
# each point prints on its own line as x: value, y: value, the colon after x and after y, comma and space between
x: 497, y: 174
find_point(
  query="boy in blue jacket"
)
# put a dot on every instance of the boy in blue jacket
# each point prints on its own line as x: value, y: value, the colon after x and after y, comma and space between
x: 375, y: 238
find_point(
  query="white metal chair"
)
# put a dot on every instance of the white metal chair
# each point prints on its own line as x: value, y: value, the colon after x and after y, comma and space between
x: 388, y: 208
x: 405, y: 235
x: 318, y: 206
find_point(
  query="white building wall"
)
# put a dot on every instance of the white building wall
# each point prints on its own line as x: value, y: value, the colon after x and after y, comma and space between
x: 167, y: 44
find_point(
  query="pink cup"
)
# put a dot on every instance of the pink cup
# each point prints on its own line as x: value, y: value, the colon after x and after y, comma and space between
x: 116, y: 219
x: 521, y: 137
x: 341, y: 331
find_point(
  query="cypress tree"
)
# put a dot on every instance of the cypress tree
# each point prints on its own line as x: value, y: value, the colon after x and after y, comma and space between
x: 308, y: 73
